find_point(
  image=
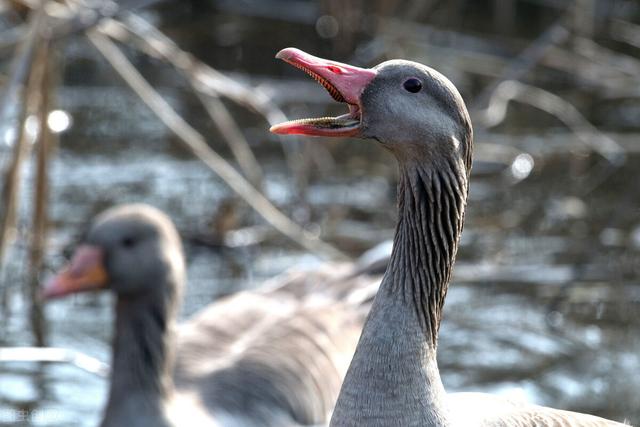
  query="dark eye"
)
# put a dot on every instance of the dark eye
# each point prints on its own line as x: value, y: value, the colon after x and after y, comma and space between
x: 413, y: 85
x: 128, y: 242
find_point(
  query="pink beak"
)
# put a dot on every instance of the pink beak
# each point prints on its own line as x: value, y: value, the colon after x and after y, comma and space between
x: 344, y: 82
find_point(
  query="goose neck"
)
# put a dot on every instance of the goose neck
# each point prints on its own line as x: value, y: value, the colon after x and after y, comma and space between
x: 431, y: 205
x: 393, y: 378
x: 141, y: 380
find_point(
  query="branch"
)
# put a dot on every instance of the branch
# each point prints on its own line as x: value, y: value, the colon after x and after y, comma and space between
x: 598, y: 54
x: 20, y: 68
x: 160, y: 45
x: 556, y: 106
x: 13, y: 112
x: 525, y: 60
x: 197, y: 144
x: 43, y: 140
x: 626, y: 32
x: 205, y: 80
x: 235, y: 139
x: 75, y: 21
x: 56, y: 355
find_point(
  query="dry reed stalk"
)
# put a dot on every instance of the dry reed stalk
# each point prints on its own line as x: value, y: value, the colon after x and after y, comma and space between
x: 14, y: 108
x: 236, y: 141
x: 199, y: 147
x: 14, y: 93
x: 554, y: 35
x: 556, y: 106
x: 43, y: 145
x: 208, y: 83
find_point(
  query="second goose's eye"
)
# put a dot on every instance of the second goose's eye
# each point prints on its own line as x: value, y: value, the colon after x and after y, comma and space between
x: 128, y: 242
x: 413, y: 85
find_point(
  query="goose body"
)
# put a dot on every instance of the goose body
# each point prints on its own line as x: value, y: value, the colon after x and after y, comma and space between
x: 276, y: 356
x: 273, y: 357
x: 393, y: 379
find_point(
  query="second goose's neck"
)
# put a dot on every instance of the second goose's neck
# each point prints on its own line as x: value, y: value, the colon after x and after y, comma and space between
x: 393, y: 378
x: 142, y: 361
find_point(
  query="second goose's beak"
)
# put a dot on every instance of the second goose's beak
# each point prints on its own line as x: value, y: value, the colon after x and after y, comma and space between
x: 84, y: 272
x: 345, y: 83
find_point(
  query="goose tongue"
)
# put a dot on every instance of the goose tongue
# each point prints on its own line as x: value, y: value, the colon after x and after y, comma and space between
x: 345, y: 83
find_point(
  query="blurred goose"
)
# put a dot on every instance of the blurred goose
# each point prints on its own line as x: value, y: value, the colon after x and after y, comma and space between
x: 418, y: 115
x: 273, y: 357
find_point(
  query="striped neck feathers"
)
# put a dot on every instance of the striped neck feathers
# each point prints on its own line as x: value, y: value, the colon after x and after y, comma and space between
x: 431, y: 207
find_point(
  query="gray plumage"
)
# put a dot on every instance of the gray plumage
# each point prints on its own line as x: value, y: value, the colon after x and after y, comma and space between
x: 273, y: 357
x: 393, y: 379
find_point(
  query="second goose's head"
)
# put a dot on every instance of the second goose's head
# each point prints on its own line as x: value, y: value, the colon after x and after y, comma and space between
x: 133, y: 250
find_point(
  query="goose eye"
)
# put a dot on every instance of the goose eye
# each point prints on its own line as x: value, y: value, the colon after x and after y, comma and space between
x: 128, y: 242
x: 413, y: 85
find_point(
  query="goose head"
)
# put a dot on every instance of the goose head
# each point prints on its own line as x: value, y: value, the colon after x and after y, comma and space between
x: 131, y: 250
x: 410, y: 108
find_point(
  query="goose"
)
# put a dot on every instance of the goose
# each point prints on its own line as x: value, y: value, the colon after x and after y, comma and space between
x: 417, y: 114
x: 271, y: 357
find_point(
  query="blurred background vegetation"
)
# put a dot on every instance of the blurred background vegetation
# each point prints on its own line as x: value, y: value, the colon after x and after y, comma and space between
x: 169, y: 103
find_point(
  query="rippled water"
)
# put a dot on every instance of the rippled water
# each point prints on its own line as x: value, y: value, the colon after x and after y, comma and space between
x: 545, y: 301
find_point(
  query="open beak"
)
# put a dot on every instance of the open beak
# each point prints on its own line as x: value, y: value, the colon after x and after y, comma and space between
x: 345, y: 83
x: 85, y: 272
